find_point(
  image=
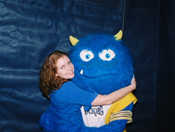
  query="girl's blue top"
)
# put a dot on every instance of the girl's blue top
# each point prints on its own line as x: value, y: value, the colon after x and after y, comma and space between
x: 63, y: 112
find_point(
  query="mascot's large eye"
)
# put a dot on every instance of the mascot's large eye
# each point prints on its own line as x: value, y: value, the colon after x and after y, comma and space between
x: 86, y: 55
x: 107, y: 55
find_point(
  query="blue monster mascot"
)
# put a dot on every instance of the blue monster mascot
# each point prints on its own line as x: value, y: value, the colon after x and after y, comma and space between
x: 103, y: 64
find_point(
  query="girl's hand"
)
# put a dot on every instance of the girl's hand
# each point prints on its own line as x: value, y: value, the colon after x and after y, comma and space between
x: 133, y: 84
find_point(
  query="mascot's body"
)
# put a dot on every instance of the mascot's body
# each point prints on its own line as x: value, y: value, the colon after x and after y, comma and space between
x: 102, y: 65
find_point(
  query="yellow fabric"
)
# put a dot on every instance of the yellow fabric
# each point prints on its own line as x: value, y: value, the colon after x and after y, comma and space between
x: 119, y: 105
x: 125, y: 114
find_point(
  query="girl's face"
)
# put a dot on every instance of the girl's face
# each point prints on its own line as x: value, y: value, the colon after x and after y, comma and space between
x: 65, y: 68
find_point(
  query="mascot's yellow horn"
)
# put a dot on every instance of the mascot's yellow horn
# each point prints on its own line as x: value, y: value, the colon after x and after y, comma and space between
x: 73, y: 40
x: 119, y: 35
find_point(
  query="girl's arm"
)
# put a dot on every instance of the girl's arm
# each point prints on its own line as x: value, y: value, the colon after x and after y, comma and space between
x: 70, y: 93
x: 114, y: 96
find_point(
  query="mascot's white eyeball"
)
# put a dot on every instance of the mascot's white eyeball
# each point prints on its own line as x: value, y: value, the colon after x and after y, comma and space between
x: 86, y: 55
x: 107, y: 54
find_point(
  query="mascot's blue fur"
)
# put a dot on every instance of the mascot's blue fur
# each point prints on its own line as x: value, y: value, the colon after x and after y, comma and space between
x: 102, y: 64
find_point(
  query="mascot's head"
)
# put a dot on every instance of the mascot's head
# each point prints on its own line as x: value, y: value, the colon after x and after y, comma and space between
x: 102, y: 63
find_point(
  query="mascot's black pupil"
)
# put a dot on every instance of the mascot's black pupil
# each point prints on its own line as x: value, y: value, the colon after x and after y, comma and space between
x: 87, y: 56
x: 107, y: 55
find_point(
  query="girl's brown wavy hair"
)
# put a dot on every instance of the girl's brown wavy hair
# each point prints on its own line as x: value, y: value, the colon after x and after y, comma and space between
x: 48, y: 80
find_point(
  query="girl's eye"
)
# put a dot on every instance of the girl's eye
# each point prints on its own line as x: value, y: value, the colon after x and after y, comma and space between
x: 86, y: 55
x: 70, y: 62
x: 107, y: 55
x: 62, y: 67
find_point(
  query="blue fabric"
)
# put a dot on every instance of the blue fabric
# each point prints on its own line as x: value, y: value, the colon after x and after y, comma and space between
x: 71, y: 93
x: 30, y: 30
x: 27, y: 34
x: 64, y: 113
x: 64, y: 110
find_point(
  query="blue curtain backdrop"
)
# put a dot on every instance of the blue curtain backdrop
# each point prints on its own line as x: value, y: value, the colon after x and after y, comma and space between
x: 31, y: 29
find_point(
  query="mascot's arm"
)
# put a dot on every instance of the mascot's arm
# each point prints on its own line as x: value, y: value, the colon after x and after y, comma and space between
x: 114, y: 126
